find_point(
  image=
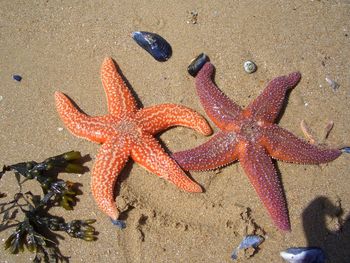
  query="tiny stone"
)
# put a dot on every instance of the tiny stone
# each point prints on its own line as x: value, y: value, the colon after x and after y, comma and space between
x: 1, y: 98
x: 60, y: 129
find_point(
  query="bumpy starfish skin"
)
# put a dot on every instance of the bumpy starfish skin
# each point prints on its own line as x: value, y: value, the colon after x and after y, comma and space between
x: 249, y: 135
x: 127, y: 131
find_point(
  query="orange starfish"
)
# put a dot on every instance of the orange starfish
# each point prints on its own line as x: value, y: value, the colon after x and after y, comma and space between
x: 127, y: 131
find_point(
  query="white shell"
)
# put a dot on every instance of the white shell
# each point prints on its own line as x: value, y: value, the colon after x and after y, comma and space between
x: 249, y: 66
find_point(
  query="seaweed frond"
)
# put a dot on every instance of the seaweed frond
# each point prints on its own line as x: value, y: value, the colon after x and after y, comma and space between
x: 36, y: 231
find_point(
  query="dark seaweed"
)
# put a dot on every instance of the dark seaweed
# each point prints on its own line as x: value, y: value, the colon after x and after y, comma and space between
x: 36, y: 230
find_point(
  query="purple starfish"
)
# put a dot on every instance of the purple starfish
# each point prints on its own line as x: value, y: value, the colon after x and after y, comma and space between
x: 250, y: 136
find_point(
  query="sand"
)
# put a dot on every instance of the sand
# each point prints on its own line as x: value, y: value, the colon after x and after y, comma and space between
x: 60, y: 45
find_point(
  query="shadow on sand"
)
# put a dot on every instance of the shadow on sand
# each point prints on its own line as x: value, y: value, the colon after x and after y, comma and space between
x: 325, y: 227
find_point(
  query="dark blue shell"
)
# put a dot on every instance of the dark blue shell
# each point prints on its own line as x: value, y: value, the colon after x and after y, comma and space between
x: 154, y: 44
x: 197, y: 63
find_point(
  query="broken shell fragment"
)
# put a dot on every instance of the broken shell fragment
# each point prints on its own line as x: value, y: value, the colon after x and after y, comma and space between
x: 154, y: 44
x: 333, y: 84
x: 249, y: 67
x: 249, y: 241
x: 197, y: 63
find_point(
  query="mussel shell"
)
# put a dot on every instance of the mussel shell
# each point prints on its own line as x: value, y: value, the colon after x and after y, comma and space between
x: 197, y: 63
x: 304, y: 255
x: 154, y: 44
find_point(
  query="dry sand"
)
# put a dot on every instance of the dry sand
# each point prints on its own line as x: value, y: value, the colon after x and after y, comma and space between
x: 60, y: 45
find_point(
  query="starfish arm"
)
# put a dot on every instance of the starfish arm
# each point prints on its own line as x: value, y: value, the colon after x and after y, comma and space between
x: 79, y: 124
x: 263, y: 176
x: 220, y: 150
x: 160, y: 117
x: 220, y: 109
x: 110, y: 160
x: 268, y: 104
x: 151, y: 156
x: 283, y: 145
x: 119, y: 98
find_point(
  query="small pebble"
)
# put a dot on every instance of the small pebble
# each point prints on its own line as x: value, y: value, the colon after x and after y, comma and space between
x: 60, y: 129
x: 249, y: 67
x: 1, y: 98
x: 17, y: 77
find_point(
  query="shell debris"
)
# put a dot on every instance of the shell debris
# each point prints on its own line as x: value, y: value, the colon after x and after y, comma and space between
x: 333, y: 84
x: 248, y: 242
x: 304, y: 255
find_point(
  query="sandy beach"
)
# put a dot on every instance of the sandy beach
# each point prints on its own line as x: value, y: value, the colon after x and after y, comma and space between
x: 60, y: 45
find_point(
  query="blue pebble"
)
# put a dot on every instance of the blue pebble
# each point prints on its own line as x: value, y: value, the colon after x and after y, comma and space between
x: 119, y: 223
x: 17, y: 77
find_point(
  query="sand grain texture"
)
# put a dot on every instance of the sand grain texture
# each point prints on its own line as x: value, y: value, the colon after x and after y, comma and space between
x: 60, y: 45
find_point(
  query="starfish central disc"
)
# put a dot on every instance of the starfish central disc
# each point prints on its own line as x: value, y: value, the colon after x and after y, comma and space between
x: 250, y: 130
x: 125, y: 126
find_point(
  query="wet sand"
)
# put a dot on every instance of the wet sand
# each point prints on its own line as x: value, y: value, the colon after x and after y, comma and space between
x: 60, y: 45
